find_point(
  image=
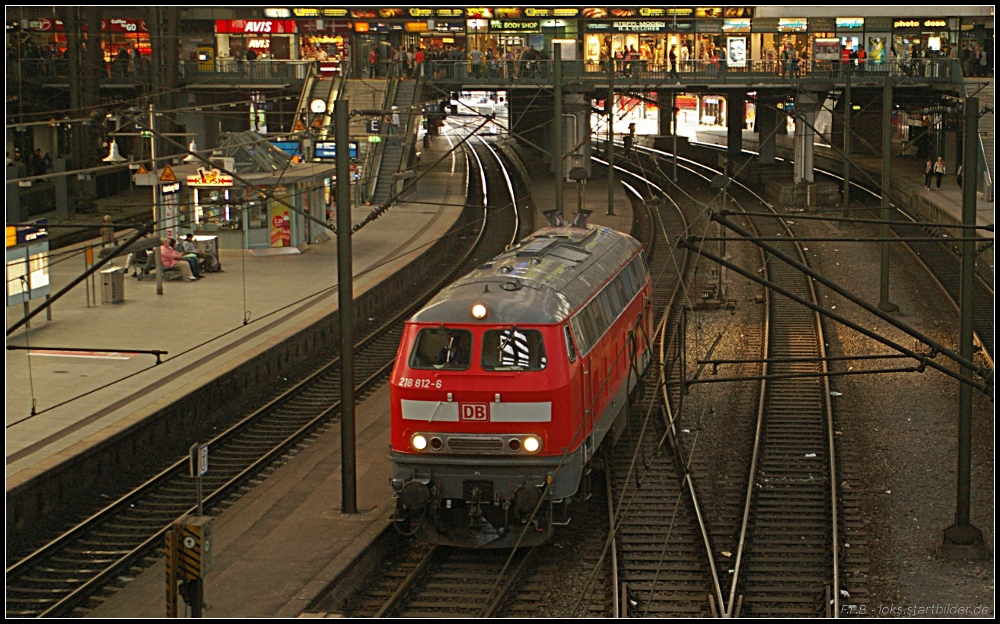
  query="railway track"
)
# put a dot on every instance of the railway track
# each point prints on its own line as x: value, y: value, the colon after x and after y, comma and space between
x: 786, y: 560
x: 787, y: 563
x: 660, y: 544
x: 68, y: 575
x: 445, y: 582
x: 942, y: 260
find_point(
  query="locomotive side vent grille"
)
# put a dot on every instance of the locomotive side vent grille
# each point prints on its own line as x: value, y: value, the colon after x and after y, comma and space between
x: 477, y: 444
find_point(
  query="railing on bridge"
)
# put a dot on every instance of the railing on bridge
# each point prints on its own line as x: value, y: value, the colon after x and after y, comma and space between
x: 781, y: 71
x: 230, y: 70
x: 227, y: 70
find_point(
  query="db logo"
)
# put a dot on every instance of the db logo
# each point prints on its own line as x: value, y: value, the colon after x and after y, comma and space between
x: 472, y: 411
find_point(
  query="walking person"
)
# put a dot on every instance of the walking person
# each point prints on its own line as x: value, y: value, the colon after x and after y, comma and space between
x: 928, y: 174
x: 939, y: 170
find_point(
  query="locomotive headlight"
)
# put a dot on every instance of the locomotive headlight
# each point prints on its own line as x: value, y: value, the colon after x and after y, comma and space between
x: 419, y: 442
x: 532, y: 444
x: 479, y: 311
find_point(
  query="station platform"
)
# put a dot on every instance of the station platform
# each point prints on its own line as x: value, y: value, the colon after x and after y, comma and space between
x: 907, y: 177
x: 82, y: 399
x: 283, y: 542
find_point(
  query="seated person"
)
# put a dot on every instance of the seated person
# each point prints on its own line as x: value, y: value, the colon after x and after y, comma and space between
x: 210, y: 260
x: 452, y: 356
x: 170, y: 258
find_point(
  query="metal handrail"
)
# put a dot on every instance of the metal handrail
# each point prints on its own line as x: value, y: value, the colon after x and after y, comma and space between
x: 409, y: 136
x: 301, y: 109
x: 750, y: 71
x: 373, y: 160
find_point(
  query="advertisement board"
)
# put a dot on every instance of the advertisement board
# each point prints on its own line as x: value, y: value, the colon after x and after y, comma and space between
x: 737, y: 51
x: 826, y: 49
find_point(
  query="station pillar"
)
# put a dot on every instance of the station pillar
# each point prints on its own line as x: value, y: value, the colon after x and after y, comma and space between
x: 806, y: 106
x: 665, y: 111
x: 736, y: 112
x: 770, y: 120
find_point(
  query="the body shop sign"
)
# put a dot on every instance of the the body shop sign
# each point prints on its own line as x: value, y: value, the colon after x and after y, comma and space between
x: 255, y: 27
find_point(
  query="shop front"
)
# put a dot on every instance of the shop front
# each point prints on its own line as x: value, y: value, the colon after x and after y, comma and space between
x: 915, y: 38
x: 261, y: 207
x: 266, y: 39
x: 325, y: 41
x: 269, y: 214
x: 119, y: 36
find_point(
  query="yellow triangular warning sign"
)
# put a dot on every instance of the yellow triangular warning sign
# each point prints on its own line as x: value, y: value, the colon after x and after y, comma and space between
x: 142, y: 170
x: 168, y: 175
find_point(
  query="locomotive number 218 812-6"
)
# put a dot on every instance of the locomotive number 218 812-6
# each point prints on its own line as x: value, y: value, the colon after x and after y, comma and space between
x: 410, y: 382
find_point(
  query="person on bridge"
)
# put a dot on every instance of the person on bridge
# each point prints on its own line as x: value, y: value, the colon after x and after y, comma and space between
x: 673, y: 64
x: 476, y: 56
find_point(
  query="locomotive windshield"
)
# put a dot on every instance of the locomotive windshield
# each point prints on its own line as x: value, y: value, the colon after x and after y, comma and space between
x: 513, y: 350
x: 440, y: 348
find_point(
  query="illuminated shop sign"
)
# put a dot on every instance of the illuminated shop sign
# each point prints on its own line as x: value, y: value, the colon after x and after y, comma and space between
x: 736, y: 25
x: 594, y: 13
x: 509, y: 12
x: 391, y: 13
x: 282, y: 13
x: 920, y: 23
x: 652, y: 11
x: 795, y: 24
x: 204, y: 178
x: 850, y: 23
x: 551, y: 12
x: 310, y: 12
x: 479, y: 13
x: 255, y: 27
x: 109, y: 25
x: 514, y: 26
x: 653, y: 26
x: 425, y: 12
x: 477, y: 24
x: 449, y: 27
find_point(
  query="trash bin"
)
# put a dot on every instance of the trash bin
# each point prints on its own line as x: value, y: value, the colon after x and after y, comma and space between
x: 113, y: 285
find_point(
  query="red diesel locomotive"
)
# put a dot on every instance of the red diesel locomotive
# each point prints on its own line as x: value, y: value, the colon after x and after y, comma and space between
x: 507, y: 382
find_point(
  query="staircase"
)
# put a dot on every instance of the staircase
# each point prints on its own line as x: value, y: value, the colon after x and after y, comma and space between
x: 363, y: 93
x: 394, y: 145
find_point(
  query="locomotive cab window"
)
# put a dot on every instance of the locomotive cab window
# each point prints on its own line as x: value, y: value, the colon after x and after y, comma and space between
x: 440, y: 348
x: 513, y: 349
x: 570, y: 350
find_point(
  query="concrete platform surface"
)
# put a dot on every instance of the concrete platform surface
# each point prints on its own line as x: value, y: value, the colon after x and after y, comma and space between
x: 79, y: 401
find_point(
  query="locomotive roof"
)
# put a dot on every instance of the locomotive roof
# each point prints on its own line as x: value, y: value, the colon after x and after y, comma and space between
x: 541, y: 280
